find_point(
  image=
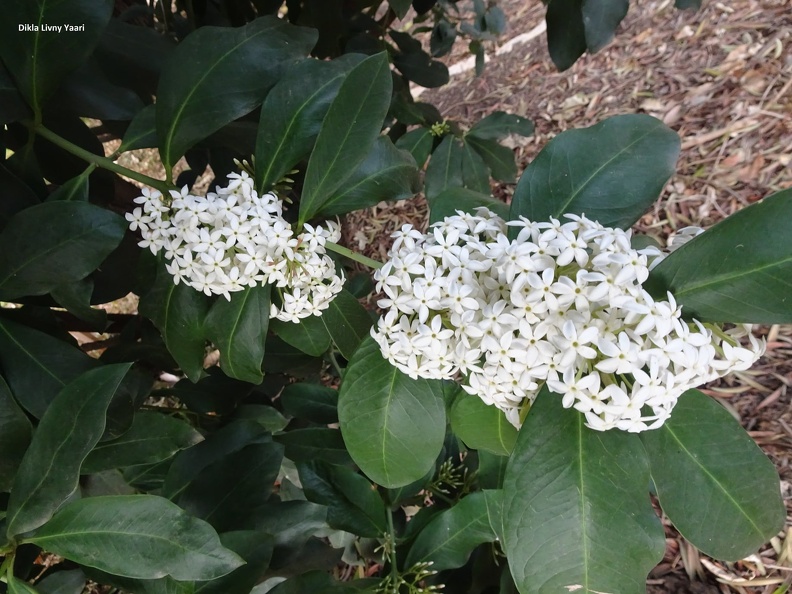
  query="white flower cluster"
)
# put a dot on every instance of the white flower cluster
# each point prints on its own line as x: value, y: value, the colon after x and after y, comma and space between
x: 561, y: 304
x: 234, y: 238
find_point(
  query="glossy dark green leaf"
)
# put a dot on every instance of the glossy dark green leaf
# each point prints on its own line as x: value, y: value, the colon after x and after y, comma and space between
x: 738, y: 271
x: 200, y: 88
x: 71, y: 427
x: 310, y: 335
x: 451, y: 536
x: 37, y: 366
x: 40, y: 58
x: 400, y: 7
x: 239, y: 328
x: 699, y: 460
x: 499, y: 124
x: 54, y: 243
x: 352, y: 502
x: 445, y: 168
x: 265, y: 415
x: 420, y: 68
x: 142, y: 130
x: 419, y: 143
x: 475, y: 173
x: 70, y: 581
x: 499, y: 159
x: 17, y: 586
x: 480, y: 426
x: 314, y: 443
x: 178, y: 312
x: 576, y: 509
x: 15, y: 434
x: 12, y: 106
x: 292, y: 115
x: 387, y: 173
x: 600, y: 20
x: 153, y: 437
x: 89, y: 93
x: 315, y: 403
x: 393, y: 425
x: 566, y: 32
x: 17, y: 195
x: 291, y: 522
x: 449, y: 201
x: 352, y: 124
x: 442, y: 39
x: 491, y: 470
x: 191, y: 462
x: 685, y: 4
x: 74, y: 189
x: 316, y: 582
x: 347, y: 321
x: 75, y: 297
x: 228, y: 493
x: 137, y: 536
x: 611, y: 172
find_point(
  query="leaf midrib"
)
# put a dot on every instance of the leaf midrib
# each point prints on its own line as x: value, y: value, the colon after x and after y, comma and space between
x: 720, y: 279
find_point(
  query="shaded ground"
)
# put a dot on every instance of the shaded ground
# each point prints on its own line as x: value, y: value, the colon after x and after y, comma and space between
x: 722, y: 79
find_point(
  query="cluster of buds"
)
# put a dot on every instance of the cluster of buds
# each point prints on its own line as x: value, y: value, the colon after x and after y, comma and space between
x: 562, y: 304
x: 233, y: 238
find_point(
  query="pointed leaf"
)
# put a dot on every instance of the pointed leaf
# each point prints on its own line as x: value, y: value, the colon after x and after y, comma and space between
x: 611, y: 172
x: 142, y: 131
x: 200, y: 89
x: 475, y: 173
x: 448, y: 202
x: 576, y: 511
x: 566, y: 33
x: 499, y: 159
x: 699, y: 460
x: 309, y: 335
x: 387, y: 173
x: 54, y: 243
x: 178, y: 312
x: 40, y: 59
x: 347, y: 321
x: 137, y: 536
x: 71, y: 427
x: 420, y: 68
x: 153, y: 437
x: 499, y: 124
x: 738, y: 271
x: 445, y: 168
x: 15, y: 434
x: 71, y: 581
x: 314, y: 443
x: 451, y: 536
x: 600, y: 20
x: 292, y: 115
x: 419, y: 143
x: 37, y: 366
x: 481, y: 426
x: 312, y: 402
x: 75, y: 297
x: 17, y: 586
x: 239, y: 328
x: 393, y: 425
x: 351, y: 126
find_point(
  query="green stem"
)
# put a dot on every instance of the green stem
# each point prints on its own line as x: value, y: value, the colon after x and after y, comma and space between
x: 7, y: 568
x: 340, y: 249
x: 394, y: 570
x: 334, y: 361
x: 102, y: 162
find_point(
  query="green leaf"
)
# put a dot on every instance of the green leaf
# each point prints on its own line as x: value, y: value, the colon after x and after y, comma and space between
x: 229, y: 492
x: 17, y: 195
x: 475, y: 173
x: 387, y: 173
x: 576, y: 509
x: 200, y: 88
x: 420, y: 68
x: 499, y: 124
x: 12, y: 106
x: 352, y: 503
x: 400, y: 7
x: 314, y: 443
x: 40, y: 59
x: 15, y: 434
x: 238, y: 328
x: 347, y: 321
x: 17, y: 586
x: 74, y: 189
x: 419, y: 143
x: 256, y: 549
x: 491, y: 470
x: 352, y: 124
x: 611, y: 172
x: 600, y: 20
x: 445, y: 168
x: 54, y: 243
x: 292, y: 115
x: 566, y: 33
x: 449, y: 201
x: 153, y: 437
x: 37, y: 366
x: 685, y: 4
x: 75, y: 297
x: 700, y: 461
x: 137, y: 536
x: 481, y: 426
x: 311, y: 402
x: 442, y: 39
x: 178, y: 312
x: 142, y: 131
x: 309, y: 335
x: 393, y: 425
x: 71, y: 581
x: 451, y: 536
x: 71, y: 427
x: 738, y: 271
x: 499, y: 159
x: 89, y: 93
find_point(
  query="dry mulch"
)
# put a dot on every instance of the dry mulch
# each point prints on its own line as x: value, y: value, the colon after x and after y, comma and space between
x: 721, y: 77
